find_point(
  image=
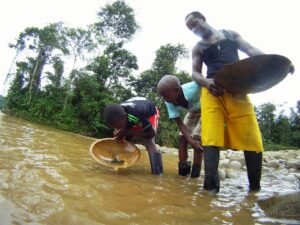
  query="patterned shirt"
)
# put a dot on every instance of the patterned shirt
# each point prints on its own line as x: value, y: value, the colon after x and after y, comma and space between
x: 139, y: 109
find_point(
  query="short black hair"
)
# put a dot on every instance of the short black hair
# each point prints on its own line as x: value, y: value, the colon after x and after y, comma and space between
x: 168, y: 82
x: 196, y: 14
x: 113, y: 112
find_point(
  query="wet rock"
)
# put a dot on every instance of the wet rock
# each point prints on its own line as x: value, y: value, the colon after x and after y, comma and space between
x: 266, y: 169
x: 290, y: 178
x: 237, y: 156
x: 222, y: 174
x: 283, y: 172
x: 277, y: 156
x: 223, y: 163
x: 291, y: 170
x: 294, y: 163
x: 270, y: 175
x: 231, y: 174
x: 234, y: 165
x: 297, y: 175
x: 282, y: 206
x: 223, y: 155
x: 273, y: 163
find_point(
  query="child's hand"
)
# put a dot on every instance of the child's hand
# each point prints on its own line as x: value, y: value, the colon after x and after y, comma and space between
x: 119, y: 134
x: 196, y: 145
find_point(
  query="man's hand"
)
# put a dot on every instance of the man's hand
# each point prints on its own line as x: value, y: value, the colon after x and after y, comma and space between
x: 214, y: 89
x: 196, y: 145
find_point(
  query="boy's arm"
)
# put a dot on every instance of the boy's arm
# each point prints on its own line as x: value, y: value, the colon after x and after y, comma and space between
x: 194, y: 143
x: 146, y: 133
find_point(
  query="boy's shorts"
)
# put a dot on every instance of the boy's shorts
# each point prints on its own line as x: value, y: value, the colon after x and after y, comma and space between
x: 229, y: 121
x: 193, y: 123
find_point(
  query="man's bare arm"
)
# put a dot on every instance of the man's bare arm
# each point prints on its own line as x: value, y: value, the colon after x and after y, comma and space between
x: 197, y: 67
x: 245, y: 46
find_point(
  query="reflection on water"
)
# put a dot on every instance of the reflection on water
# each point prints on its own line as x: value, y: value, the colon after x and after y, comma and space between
x: 48, y: 177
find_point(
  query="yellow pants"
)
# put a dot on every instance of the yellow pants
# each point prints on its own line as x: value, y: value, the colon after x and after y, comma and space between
x: 230, y: 122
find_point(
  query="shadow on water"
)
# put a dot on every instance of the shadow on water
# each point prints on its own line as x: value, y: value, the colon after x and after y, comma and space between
x: 48, y: 177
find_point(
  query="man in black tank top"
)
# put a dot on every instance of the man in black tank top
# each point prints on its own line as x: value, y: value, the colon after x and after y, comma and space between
x: 227, y: 121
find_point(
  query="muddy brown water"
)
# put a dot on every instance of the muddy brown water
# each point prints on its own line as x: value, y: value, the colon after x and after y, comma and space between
x: 48, y: 177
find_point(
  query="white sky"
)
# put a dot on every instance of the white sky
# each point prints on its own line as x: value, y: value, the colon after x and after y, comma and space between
x: 270, y: 25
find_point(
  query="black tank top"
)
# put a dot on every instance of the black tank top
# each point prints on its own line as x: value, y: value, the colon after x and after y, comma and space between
x: 215, y: 56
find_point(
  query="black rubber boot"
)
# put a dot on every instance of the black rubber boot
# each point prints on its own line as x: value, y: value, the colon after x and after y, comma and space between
x: 156, y: 162
x: 184, y: 168
x: 196, y: 169
x: 254, y: 165
x: 211, y: 164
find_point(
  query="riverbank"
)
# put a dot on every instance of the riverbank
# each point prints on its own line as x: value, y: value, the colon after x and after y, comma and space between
x: 283, y: 164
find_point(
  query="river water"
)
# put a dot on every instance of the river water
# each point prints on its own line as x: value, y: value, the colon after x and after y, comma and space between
x: 48, y: 177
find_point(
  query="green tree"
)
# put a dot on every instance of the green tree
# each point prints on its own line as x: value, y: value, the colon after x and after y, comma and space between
x: 114, y: 70
x: 164, y: 63
x: 266, y: 119
x: 76, y: 102
x: 282, y: 130
x: 40, y: 45
x: 88, y: 102
x: 80, y: 43
x: 116, y: 22
x: 2, y: 101
x: 57, y: 76
x: 295, y: 125
x: 107, y: 77
x: 16, y: 94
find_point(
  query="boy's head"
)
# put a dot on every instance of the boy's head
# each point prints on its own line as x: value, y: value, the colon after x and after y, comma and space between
x: 115, y: 116
x: 169, y: 88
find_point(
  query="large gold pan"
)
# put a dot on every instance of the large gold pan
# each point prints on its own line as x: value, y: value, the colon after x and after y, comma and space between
x: 112, y: 153
x: 253, y: 74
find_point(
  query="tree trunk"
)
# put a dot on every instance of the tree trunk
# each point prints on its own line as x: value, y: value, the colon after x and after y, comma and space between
x: 36, y: 75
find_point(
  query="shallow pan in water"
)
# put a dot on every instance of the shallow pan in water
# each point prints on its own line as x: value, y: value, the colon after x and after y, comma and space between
x: 253, y: 74
x: 115, y: 154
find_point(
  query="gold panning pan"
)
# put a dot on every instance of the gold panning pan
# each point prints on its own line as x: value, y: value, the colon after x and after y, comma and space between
x: 253, y: 74
x: 115, y: 154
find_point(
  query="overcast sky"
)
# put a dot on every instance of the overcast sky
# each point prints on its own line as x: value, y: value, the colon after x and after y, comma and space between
x: 270, y: 25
